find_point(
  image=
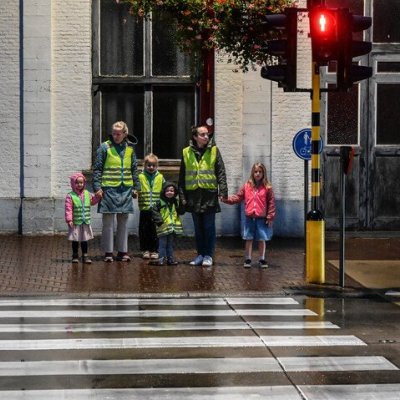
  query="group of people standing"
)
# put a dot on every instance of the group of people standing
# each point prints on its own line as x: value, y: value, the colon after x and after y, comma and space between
x: 201, y: 187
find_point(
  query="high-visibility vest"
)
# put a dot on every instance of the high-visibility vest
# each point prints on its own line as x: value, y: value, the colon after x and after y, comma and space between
x: 81, y: 209
x: 200, y: 174
x: 149, y: 194
x: 117, y: 170
x: 172, y: 222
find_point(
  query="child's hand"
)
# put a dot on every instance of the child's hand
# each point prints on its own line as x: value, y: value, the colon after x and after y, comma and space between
x: 223, y: 199
x: 134, y: 194
x: 268, y: 223
x: 70, y: 224
x: 99, y: 194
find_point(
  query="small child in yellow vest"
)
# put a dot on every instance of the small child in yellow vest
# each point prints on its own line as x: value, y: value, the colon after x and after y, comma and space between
x: 77, y: 216
x: 151, y: 182
x: 168, y: 222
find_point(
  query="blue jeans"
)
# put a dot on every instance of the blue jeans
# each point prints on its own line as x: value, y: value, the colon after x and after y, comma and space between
x: 204, y: 230
x: 165, y: 246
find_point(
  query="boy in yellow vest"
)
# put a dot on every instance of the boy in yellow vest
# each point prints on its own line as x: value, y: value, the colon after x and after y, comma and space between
x: 165, y: 216
x: 151, y: 182
x: 77, y: 216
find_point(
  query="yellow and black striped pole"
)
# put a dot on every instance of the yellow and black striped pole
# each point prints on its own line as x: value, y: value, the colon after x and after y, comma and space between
x: 315, y: 225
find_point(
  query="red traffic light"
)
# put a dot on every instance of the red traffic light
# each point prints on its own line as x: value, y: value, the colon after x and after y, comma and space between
x: 324, y: 32
x: 323, y: 24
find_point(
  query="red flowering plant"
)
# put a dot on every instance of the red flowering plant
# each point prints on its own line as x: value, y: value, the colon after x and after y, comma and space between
x: 237, y: 27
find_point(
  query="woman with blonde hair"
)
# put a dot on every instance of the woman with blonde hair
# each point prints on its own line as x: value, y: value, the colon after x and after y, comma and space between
x: 115, y: 182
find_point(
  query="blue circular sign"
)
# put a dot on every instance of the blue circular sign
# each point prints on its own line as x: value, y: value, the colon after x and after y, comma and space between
x: 302, y: 144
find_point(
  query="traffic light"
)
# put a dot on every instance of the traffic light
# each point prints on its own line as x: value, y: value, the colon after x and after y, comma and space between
x: 284, y: 48
x: 347, y: 72
x: 324, y: 32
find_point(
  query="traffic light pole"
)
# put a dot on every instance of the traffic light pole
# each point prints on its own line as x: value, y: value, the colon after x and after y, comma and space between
x: 315, y: 224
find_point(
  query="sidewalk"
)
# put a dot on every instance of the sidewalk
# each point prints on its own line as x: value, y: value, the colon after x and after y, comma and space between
x: 40, y: 265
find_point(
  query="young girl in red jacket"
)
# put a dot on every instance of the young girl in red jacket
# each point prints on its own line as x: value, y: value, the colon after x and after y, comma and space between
x: 259, y: 202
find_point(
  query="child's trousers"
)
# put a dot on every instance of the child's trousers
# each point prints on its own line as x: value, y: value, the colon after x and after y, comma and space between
x: 121, y: 238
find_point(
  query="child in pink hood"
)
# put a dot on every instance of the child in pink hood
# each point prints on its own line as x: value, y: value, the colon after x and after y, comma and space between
x: 77, y: 216
x: 259, y: 202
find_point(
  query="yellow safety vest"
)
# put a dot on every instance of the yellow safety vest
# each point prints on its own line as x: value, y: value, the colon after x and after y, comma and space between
x: 200, y: 174
x: 117, y: 171
x: 172, y: 222
x: 148, y: 195
x: 81, y: 209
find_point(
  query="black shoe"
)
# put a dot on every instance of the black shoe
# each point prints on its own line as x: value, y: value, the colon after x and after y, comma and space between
x: 86, y: 259
x: 160, y: 262
x: 262, y: 263
x: 75, y: 259
x: 247, y: 263
x: 171, y: 261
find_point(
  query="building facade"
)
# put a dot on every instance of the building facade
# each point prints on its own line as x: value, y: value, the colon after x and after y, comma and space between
x: 64, y: 81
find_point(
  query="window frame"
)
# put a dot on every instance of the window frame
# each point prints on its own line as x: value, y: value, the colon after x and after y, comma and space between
x: 147, y: 81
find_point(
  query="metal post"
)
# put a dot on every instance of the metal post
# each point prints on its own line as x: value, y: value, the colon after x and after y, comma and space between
x: 315, y: 248
x: 342, y: 220
x: 305, y: 202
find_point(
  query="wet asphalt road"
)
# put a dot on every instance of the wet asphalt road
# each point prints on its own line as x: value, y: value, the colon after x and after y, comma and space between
x: 199, y: 348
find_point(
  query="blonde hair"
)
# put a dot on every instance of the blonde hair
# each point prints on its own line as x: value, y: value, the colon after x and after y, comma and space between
x: 151, y: 157
x: 121, y: 125
x: 265, y: 181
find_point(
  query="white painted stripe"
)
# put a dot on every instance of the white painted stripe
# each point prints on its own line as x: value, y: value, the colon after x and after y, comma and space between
x: 166, y: 326
x: 109, y: 302
x: 142, y: 366
x: 200, y: 341
x: 123, y: 327
x: 292, y: 325
x: 261, y: 300
x: 356, y: 363
x: 303, y: 341
x: 137, y: 302
x: 126, y: 343
x: 147, y: 313
x: 352, y: 392
x: 195, y: 393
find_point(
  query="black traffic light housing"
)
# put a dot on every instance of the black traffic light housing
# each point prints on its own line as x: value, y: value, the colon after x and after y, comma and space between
x: 348, y: 72
x: 284, y: 48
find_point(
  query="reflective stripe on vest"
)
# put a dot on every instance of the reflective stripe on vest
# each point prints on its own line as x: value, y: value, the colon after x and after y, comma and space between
x: 200, y: 174
x: 81, y: 209
x: 148, y: 195
x: 117, y: 170
x: 172, y: 222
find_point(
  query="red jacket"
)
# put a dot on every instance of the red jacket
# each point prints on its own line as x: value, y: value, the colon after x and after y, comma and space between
x: 259, y: 201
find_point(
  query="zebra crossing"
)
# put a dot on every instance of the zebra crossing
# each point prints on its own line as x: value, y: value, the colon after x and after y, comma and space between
x: 182, y: 348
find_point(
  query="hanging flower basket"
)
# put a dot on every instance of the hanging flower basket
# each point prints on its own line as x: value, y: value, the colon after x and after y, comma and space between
x: 236, y: 27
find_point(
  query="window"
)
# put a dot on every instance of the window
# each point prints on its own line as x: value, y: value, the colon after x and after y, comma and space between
x: 139, y: 76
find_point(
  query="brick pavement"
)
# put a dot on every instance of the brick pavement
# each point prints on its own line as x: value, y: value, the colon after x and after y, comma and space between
x: 38, y: 265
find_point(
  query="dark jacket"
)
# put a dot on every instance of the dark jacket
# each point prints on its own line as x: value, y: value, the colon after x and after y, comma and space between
x: 203, y: 200
x: 173, y: 202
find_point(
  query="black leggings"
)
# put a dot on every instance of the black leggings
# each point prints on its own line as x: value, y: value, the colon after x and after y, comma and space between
x: 75, y: 247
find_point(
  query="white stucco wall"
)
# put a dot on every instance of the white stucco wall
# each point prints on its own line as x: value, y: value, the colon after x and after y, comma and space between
x: 9, y: 114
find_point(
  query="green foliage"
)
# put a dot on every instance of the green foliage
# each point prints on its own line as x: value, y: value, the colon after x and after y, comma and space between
x: 234, y: 26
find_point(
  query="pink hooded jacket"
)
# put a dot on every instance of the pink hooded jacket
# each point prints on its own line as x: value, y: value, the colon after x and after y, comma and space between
x: 259, y: 201
x: 68, y: 199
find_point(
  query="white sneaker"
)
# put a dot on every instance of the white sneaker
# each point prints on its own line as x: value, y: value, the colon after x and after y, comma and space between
x: 146, y: 255
x: 207, y: 261
x: 154, y: 256
x: 197, y: 261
